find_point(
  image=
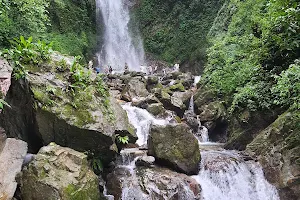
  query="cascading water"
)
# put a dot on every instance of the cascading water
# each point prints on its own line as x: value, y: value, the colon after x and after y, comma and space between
x: 141, y: 119
x: 225, y: 175
x: 119, y: 45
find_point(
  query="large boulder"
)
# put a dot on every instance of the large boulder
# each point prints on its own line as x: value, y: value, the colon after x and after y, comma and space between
x: 278, y: 150
x: 243, y: 127
x: 175, y: 146
x: 47, y: 106
x: 11, y: 159
x: 152, y: 183
x: 59, y: 173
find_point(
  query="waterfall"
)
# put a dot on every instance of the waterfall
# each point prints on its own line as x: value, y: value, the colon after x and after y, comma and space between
x: 119, y: 46
x: 196, y: 80
x: 191, y: 106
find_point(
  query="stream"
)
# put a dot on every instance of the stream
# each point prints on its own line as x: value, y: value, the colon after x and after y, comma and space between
x: 224, y: 174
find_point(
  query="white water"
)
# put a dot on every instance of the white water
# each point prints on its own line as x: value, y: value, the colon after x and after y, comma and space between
x: 141, y: 119
x: 119, y: 46
x: 196, y: 80
x: 223, y: 175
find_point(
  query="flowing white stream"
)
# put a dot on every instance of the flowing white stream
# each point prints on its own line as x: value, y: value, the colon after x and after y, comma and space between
x: 119, y: 45
x: 223, y: 174
x: 141, y: 119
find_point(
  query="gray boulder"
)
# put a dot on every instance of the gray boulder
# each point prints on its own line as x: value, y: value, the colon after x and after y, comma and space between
x: 59, y: 173
x: 11, y: 159
x: 46, y: 109
x: 176, y: 147
x: 152, y: 183
x: 135, y: 88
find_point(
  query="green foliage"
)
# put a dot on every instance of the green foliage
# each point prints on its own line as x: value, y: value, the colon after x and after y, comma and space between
x: 123, y: 139
x: 22, y: 17
x: 287, y: 89
x: 97, y: 165
x: 73, y: 27
x: 70, y: 25
x: 176, y: 30
x: 252, y: 42
x: 3, y: 103
x: 24, y: 52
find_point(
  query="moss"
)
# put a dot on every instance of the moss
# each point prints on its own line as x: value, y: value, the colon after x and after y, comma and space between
x: 159, y: 85
x: 177, y: 87
x: 42, y: 96
x: 72, y: 192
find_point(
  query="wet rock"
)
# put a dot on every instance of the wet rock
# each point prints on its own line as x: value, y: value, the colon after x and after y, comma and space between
x: 146, y: 161
x: 191, y: 119
x: 175, y: 146
x: 59, y: 173
x: 277, y: 149
x: 11, y: 159
x: 44, y: 110
x: 152, y: 183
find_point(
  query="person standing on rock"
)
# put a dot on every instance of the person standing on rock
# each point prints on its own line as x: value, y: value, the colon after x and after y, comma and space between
x: 110, y: 70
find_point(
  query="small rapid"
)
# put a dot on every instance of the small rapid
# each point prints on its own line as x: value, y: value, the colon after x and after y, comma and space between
x: 141, y: 119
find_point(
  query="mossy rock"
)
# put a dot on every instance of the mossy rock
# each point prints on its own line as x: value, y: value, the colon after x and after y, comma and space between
x: 278, y: 150
x: 59, y: 173
x: 168, y: 144
x: 49, y: 107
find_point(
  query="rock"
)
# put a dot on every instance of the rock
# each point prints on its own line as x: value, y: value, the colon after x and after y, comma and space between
x: 278, y: 150
x: 135, y: 88
x: 59, y: 173
x: 179, y: 102
x: 243, y: 127
x: 5, y: 76
x: 176, y: 147
x: 146, y: 161
x: 202, y: 97
x: 213, y: 111
x: 145, y: 101
x: 152, y: 80
x: 2, y: 139
x: 11, y: 159
x: 152, y: 183
x: 177, y: 87
x: 191, y: 119
x: 44, y: 109
x: 156, y: 109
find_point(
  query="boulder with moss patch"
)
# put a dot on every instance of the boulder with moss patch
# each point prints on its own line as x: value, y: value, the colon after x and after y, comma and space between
x: 278, y: 150
x: 59, y: 173
x: 175, y: 146
x: 71, y: 107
